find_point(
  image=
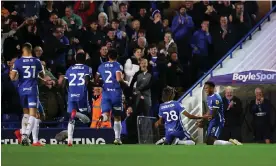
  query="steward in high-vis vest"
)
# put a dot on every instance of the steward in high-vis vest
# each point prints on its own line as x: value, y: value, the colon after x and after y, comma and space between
x: 97, y: 112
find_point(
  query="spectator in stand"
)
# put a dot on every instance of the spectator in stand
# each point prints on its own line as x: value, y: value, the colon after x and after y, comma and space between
x: 84, y: 9
x: 252, y: 9
x: 174, y: 73
x: 182, y: 26
x: 31, y: 36
x: 166, y: 26
x: 118, y: 33
x: 49, y: 25
x: 261, y: 110
x: 142, y: 90
x: 241, y: 20
x: 46, y: 11
x: 96, y: 60
x: 200, y: 44
x: 155, y: 33
x: 224, y: 38
x: 232, y: 114
x: 142, y: 44
x: 27, y: 9
x: 224, y: 8
x: 167, y: 46
x: 113, y: 42
x: 143, y: 18
x: 56, y: 48
x: 92, y: 38
x: 132, y: 32
x: 124, y: 17
x: 103, y: 22
x: 132, y: 65
x: 73, y: 21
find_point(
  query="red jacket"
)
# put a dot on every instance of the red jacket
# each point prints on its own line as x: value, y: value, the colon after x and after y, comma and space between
x: 84, y: 14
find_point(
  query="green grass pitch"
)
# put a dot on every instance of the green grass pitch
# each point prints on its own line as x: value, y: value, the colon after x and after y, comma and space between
x: 139, y: 155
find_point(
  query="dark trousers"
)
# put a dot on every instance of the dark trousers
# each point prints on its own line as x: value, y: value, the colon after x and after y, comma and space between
x: 233, y: 132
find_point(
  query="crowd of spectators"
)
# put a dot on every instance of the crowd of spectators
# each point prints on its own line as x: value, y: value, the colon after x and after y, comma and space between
x: 157, y: 46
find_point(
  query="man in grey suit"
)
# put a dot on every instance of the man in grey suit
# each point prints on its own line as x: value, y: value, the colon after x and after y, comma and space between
x: 142, y: 90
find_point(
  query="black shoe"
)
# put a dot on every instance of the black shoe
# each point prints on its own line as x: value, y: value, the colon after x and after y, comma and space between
x: 25, y: 140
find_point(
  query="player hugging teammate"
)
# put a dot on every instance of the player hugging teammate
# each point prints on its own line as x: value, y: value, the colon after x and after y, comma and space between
x: 170, y: 112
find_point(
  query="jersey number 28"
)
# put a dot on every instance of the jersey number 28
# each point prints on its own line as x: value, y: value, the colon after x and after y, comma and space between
x: 80, y: 78
x: 171, y: 116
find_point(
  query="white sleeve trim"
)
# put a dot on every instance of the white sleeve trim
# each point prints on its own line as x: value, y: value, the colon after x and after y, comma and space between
x: 215, y: 107
x: 15, y: 70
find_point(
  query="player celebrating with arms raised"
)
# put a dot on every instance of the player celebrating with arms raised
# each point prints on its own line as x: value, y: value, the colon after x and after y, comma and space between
x: 27, y: 68
x: 170, y: 111
x: 77, y: 78
x: 216, y: 123
x: 111, y: 74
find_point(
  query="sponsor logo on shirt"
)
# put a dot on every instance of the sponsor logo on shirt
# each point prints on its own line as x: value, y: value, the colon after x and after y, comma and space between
x: 75, y: 95
x: 27, y: 89
x: 253, y: 77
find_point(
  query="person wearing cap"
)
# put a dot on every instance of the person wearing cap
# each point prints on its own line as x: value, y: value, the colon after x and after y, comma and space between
x: 156, y: 32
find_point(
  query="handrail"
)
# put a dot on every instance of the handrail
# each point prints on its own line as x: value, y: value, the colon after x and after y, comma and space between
x: 229, y: 53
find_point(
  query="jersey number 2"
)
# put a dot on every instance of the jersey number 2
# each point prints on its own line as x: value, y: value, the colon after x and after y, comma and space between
x: 107, y: 80
x: 81, y: 79
x: 29, y: 71
x: 171, y: 116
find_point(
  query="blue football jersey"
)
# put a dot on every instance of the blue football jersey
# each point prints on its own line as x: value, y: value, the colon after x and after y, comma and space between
x: 76, y: 78
x: 215, y: 101
x: 171, y: 113
x: 28, y: 69
x: 107, y: 71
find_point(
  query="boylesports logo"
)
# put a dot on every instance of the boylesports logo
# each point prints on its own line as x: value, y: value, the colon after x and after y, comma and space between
x: 253, y: 77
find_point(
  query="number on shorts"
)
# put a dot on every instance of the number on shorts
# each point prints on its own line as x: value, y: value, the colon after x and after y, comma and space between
x: 108, y: 77
x: 80, y: 78
x: 171, y: 116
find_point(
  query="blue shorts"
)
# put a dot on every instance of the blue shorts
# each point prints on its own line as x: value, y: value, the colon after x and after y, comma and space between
x: 182, y: 135
x: 81, y: 106
x: 112, y: 101
x: 29, y: 101
x: 214, y: 130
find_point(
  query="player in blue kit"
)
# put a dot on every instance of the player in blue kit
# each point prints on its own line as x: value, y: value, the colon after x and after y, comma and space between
x: 77, y: 78
x: 216, y: 123
x: 27, y: 69
x: 111, y: 74
x: 170, y: 112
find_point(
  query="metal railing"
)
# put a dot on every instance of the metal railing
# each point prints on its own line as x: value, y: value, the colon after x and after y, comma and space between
x: 230, y: 52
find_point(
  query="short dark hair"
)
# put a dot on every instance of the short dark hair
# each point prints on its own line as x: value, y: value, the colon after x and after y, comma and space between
x: 80, y: 57
x: 112, y: 54
x: 210, y: 83
x: 27, y: 46
x: 142, y: 31
x: 121, y: 5
x: 153, y: 46
x: 115, y: 20
x: 168, y: 94
x: 135, y: 49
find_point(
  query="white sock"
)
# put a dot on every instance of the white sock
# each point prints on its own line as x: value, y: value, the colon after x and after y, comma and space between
x: 221, y: 142
x: 186, y: 142
x: 83, y: 118
x: 35, y: 130
x: 71, y: 126
x: 30, y: 125
x: 117, y: 129
x: 24, y: 123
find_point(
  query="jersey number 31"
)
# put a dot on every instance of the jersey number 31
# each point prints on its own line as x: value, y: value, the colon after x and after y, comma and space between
x: 171, y: 116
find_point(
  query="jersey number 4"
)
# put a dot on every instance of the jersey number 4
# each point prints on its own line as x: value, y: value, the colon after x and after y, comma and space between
x: 171, y: 116
x: 29, y: 71
x: 80, y: 78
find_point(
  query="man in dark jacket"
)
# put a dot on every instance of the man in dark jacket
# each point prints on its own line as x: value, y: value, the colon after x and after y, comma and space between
x: 232, y: 114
